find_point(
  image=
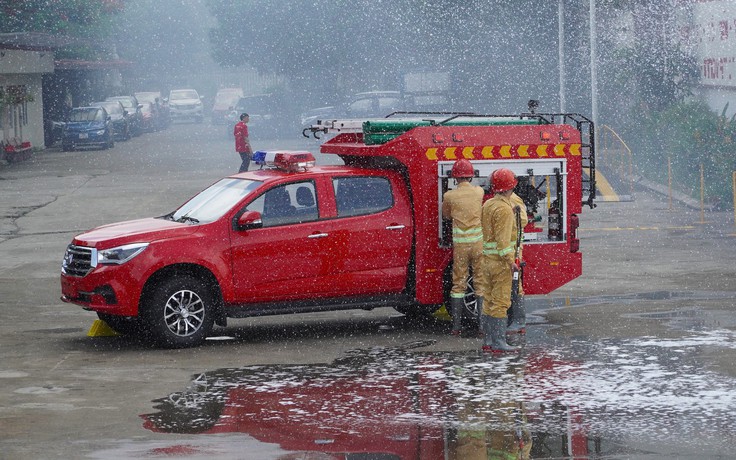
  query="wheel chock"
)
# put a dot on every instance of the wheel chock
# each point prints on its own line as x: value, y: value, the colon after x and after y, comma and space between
x: 101, y: 329
x: 442, y: 314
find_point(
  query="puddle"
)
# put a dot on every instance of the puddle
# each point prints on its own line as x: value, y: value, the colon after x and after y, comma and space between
x: 582, y: 400
x: 692, y: 319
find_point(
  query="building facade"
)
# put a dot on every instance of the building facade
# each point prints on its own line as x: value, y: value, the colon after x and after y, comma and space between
x: 22, y: 66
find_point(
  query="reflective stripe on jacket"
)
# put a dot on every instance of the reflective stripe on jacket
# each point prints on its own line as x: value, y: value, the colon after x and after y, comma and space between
x: 471, y: 235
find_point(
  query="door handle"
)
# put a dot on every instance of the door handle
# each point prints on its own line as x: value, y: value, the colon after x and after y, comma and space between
x: 396, y: 227
x: 318, y: 235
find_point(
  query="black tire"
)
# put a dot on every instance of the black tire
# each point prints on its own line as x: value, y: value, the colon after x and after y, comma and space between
x: 179, y: 312
x: 470, y: 305
x: 123, y: 325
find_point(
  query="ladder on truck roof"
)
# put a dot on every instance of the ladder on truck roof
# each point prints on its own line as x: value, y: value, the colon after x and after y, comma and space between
x: 381, y: 130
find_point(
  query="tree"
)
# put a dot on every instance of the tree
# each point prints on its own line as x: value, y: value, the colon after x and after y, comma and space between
x: 84, y: 19
x: 496, y: 50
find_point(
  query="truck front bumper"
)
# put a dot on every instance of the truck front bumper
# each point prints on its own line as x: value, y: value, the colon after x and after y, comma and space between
x: 101, y: 292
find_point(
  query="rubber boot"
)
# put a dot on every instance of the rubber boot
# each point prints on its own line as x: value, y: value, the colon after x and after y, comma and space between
x: 456, y: 306
x: 497, y: 329
x: 485, y: 328
x: 518, y: 317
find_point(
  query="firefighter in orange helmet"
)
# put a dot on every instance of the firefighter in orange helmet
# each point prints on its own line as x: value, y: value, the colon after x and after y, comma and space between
x: 517, y: 312
x: 463, y: 206
x: 498, y: 260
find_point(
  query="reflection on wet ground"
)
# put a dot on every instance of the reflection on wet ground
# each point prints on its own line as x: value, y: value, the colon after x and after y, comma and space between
x: 561, y: 398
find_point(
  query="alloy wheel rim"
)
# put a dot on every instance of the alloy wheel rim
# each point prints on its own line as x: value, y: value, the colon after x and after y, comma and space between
x: 184, y: 313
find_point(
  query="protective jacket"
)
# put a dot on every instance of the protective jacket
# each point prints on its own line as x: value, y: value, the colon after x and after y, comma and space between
x: 498, y: 254
x: 463, y: 206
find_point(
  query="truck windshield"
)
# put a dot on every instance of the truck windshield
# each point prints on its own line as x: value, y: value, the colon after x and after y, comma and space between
x: 211, y: 203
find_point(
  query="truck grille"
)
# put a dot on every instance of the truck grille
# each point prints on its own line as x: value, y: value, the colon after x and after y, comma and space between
x: 77, y: 260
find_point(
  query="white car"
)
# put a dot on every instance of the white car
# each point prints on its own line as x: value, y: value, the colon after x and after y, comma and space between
x: 185, y: 104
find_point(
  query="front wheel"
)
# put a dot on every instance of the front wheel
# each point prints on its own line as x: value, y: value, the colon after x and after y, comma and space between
x: 179, y: 312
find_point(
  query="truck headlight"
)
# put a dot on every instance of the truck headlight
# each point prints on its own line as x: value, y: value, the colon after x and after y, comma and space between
x: 120, y: 254
x: 100, y: 132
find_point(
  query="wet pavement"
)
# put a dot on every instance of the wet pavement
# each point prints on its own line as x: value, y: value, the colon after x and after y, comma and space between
x: 635, y: 359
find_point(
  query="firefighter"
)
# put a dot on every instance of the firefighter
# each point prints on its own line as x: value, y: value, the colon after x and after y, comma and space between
x: 517, y: 312
x: 463, y: 206
x: 498, y: 260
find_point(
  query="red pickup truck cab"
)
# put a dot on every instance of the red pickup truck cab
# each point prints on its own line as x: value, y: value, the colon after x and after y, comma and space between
x: 290, y: 239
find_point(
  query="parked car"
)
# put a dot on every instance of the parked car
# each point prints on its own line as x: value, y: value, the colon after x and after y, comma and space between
x: 119, y: 117
x: 371, y: 104
x: 225, y: 101
x: 185, y: 104
x: 311, y: 116
x: 148, y: 122
x: 130, y: 103
x: 160, y: 104
x: 266, y: 112
x: 88, y: 126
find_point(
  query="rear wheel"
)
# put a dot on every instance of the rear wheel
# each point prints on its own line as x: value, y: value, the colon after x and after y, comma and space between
x: 470, y: 302
x: 179, y: 312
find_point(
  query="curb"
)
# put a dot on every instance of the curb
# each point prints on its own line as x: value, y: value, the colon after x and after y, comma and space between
x: 677, y: 196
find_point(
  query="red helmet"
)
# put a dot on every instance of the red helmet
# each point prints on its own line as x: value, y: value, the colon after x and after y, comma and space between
x: 502, y: 180
x: 462, y: 168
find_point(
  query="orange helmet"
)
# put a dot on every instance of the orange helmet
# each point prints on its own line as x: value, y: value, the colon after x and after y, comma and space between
x: 502, y: 180
x: 462, y: 168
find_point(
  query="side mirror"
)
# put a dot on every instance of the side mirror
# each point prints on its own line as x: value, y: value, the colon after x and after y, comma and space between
x: 249, y: 220
x: 140, y: 106
x: 125, y: 113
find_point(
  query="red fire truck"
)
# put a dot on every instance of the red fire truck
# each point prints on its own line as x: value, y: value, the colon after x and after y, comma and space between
x: 296, y: 237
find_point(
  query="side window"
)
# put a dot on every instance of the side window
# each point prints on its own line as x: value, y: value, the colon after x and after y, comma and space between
x: 358, y: 196
x: 287, y: 204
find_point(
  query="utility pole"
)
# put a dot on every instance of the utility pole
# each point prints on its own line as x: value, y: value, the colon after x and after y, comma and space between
x: 593, y: 69
x: 561, y: 51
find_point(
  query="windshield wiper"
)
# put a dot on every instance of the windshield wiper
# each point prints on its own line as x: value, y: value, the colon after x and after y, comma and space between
x: 186, y: 218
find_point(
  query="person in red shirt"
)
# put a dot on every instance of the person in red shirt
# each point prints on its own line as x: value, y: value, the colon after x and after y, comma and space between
x: 242, y: 142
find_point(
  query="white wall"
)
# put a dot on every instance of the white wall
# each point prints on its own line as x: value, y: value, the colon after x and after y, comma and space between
x: 19, y: 67
x: 712, y: 36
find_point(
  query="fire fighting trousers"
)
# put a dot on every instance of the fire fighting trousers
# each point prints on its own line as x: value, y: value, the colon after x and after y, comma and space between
x: 464, y: 256
x: 495, y: 286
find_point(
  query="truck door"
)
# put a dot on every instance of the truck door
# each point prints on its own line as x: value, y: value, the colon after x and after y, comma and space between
x: 371, y: 238
x: 284, y: 259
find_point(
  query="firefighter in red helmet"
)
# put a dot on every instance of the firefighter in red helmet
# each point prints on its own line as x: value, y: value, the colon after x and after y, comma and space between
x: 498, y: 263
x: 463, y: 206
